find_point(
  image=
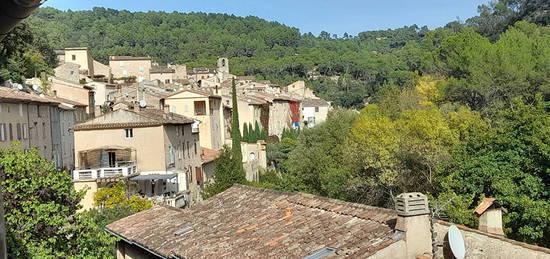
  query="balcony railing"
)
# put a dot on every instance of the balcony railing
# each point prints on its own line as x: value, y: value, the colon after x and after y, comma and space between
x: 179, y: 200
x: 123, y: 169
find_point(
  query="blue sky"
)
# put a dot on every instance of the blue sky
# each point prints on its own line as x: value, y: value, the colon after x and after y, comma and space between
x: 334, y: 16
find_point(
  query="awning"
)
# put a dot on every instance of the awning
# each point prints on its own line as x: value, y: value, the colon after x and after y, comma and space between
x: 150, y: 177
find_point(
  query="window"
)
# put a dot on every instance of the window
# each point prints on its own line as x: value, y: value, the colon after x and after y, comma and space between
x: 188, y: 155
x: 21, y: 110
x: 195, y: 148
x: 11, y: 132
x: 72, y: 72
x: 38, y: 111
x: 3, y: 136
x: 316, y: 109
x: 171, y: 159
x: 18, y: 131
x: 198, y: 175
x: 129, y: 133
x: 200, y: 108
x: 25, y: 131
x: 73, y: 57
x: 167, y: 81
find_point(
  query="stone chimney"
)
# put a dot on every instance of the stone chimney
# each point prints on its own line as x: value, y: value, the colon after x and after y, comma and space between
x: 490, y: 216
x: 413, y: 218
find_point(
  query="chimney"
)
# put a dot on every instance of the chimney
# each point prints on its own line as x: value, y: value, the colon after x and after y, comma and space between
x: 490, y: 216
x: 413, y: 218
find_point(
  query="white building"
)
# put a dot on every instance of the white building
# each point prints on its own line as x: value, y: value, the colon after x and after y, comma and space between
x: 314, y: 111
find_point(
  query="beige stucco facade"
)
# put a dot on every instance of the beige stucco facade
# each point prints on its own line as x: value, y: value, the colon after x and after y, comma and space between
x: 82, y: 57
x: 205, y: 108
x: 27, y: 124
x: 161, y: 149
x: 131, y: 66
x: 299, y: 90
x: 166, y: 78
x: 73, y: 91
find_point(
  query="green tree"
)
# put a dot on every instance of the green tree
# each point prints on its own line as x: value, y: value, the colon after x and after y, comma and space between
x: 235, y: 130
x: 247, y: 135
x: 509, y: 162
x: 41, y: 211
x: 227, y: 172
x: 117, y: 195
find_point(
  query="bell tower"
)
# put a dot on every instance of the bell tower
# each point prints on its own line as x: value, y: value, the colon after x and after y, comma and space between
x: 223, y: 65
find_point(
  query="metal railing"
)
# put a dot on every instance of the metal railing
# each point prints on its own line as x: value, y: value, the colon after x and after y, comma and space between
x: 123, y: 170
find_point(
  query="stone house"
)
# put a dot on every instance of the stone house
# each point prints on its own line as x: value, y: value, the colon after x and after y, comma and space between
x: 89, y: 69
x: 248, y: 222
x: 204, y: 107
x: 165, y: 75
x: 299, y: 90
x: 68, y: 71
x: 126, y: 66
x: 158, y: 151
x: 75, y: 92
x: 82, y: 57
x: 37, y: 122
x: 314, y: 111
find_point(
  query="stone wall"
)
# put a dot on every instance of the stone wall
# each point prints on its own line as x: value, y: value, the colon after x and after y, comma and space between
x: 485, y: 245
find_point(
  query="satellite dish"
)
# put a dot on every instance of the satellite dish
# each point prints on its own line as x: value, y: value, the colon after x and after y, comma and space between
x: 456, y: 241
x: 35, y: 87
x: 19, y: 86
x: 142, y: 104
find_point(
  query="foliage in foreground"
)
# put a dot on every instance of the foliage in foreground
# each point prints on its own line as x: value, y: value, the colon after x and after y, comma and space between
x: 41, y: 212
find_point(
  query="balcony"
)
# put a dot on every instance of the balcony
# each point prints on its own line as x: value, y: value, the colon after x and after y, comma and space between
x: 122, y: 169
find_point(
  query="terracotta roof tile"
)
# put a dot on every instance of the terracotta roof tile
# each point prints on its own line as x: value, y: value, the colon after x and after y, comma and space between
x: 10, y: 95
x: 485, y: 204
x: 308, y: 102
x: 208, y: 155
x: 251, y: 222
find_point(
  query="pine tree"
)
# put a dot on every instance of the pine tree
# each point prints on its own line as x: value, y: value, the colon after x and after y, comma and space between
x: 235, y: 130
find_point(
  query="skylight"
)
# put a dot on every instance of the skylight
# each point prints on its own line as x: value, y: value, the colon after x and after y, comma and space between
x: 322, y: 253
x: 184, y: 230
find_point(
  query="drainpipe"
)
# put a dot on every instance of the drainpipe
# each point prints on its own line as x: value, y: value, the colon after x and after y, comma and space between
x: 13, y: 12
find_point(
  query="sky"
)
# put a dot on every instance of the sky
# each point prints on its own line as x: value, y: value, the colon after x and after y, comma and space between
x: 334, y: 16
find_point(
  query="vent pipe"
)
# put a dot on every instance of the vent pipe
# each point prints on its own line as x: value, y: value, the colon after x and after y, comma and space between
x: 12, y: 12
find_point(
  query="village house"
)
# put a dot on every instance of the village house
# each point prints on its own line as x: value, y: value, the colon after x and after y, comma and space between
x: 157, y: 150
x: 89, y: 69
x: 180, y: 72
x: 204, y: 107
x: 68, y: 71
x: 314, y: 111
x: 284, y: 112
x: 38, y: 122
x: 126, y: 66
x: 248, y: 222
x: 299, y: 90
x: 74, y: 91
x: 163, y: 74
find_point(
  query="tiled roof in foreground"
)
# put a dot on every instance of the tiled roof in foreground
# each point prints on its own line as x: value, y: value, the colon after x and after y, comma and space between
x: 246, y: 222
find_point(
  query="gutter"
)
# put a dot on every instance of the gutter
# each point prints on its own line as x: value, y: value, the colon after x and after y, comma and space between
x: 13, y: 12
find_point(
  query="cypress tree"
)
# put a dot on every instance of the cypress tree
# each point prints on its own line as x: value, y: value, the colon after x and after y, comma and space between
x: 246, y: 133
x: 235, y: 130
